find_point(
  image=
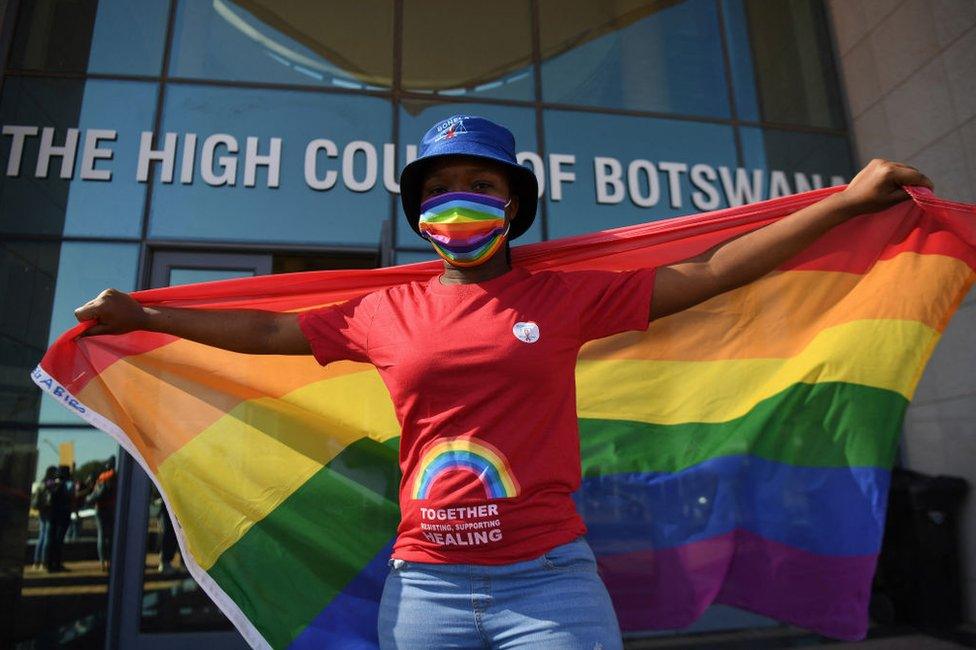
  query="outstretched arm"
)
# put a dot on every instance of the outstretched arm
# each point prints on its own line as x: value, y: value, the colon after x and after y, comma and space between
x: 751, y: 256
x: 239, y: 330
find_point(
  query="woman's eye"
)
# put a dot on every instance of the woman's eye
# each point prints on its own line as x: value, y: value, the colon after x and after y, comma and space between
x: 481, y: 186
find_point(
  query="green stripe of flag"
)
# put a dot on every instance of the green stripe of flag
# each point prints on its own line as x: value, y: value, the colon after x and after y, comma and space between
x: 831, y: 424
x: 277, y: 572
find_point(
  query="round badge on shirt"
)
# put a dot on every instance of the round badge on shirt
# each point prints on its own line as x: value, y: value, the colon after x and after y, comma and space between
x: 526, y: 332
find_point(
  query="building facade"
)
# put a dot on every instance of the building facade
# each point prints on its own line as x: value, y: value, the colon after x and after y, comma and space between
x: 907, y: 71
x: 155, y: 142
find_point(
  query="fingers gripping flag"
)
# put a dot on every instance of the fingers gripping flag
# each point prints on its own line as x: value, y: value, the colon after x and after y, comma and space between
x: 738, y: 452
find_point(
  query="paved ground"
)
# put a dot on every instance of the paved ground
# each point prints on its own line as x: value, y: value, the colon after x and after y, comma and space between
x: 787, y: 637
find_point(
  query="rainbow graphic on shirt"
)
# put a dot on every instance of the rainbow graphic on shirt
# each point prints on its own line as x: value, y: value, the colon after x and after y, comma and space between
x: 477, y: 457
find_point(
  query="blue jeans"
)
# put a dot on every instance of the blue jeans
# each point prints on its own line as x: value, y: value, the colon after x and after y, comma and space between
x: 105, y: 525
x: 556, y: 601
x: 40, y: 547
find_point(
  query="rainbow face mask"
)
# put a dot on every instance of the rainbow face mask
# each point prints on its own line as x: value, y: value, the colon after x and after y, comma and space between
x: 465, y: 229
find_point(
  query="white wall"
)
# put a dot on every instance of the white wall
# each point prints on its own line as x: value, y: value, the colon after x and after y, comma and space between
x: 908, y: 68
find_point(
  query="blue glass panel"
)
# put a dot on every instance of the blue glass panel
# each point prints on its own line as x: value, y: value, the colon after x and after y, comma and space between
x: 27, y: 273
x: 338, y: 44
x: 107, y: 36
x: 416, y: 117
x: 409, y: 257
x: 740, y: 60
x: 85, y: 269
x: 30, y: 203
x: 621, y: 170
x: 192, y: 276
x: 455, y: 53
x: 128, y: 37
x: 213, y: 200
x: 797, y: 161
x: 69, y: 193
x: 111, y: 208
x: 787, y: 44
x: 663, y: 57
x: 51, y: 36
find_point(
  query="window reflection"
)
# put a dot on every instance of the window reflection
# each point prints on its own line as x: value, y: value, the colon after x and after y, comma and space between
x: 795, y: 79
x: 109, y: 36
x: 110, y: 206
x: 83, y: 184
x: 338, y: 44
x: 654, y: 55
x: 409, y: 257
x: 617, y: 170
x: 804, y: 160
x: 324, y: 184
x: 53, y: 36
x: 740, y: 60
x: 27, y: 275
x: 171, y: 599
x: 128, y: 37
x: 34, y: 203
x: 69, y: 506
x: 85, y: 269
x: 461, y: 51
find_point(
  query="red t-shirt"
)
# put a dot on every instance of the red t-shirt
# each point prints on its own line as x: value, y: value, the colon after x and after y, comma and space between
x: 482, y: 378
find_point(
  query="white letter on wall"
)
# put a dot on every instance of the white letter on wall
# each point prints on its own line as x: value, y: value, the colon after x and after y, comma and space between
x: 48, y: 151
x: 348, y: 166
x: 702, y: 176
x: 311, y: 155
x: 741, y: 191
x: 252, y: 160
x: 557, y: 175
x: 674, y: 171
x: 18, y: 133
x: 228, y: 164
x: 802, y: 183
x: 607, y: 172
x: 167, y: 155
x: 93, y: 153
x: 634, y: 186
x: 778, y: 185
x: 189, y: 154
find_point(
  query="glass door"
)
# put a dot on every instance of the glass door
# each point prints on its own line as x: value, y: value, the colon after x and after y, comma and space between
x: 158, y: 604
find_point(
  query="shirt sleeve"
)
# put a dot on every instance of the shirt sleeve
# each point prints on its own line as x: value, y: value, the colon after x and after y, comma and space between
x: 610, y: 302
x: 340, y: 332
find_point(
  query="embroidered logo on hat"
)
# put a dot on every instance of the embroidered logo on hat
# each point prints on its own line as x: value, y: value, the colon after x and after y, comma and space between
x: 451, y: 128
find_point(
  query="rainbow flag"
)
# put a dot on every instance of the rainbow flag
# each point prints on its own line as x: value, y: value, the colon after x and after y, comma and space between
x: 738, y: 452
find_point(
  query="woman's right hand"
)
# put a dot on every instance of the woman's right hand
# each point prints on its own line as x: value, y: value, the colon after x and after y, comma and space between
x: 252, y: 331
x: 114, y: 312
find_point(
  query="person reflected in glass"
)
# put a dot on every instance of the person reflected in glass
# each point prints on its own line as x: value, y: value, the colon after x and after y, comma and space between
x: 41, y: 502
x: 102, y: 497
x: 167, y: 542
x: 480, y: 362
x: 62, y: 504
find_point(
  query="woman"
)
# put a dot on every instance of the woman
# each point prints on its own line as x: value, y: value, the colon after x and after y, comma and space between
x: 480, y: 364
x: 42, y: 503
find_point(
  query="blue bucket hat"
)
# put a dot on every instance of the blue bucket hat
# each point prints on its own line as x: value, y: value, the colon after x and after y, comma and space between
x: 467, y: 135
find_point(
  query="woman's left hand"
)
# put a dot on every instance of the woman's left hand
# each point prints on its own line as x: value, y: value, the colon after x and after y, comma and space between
x: 879, y: 186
